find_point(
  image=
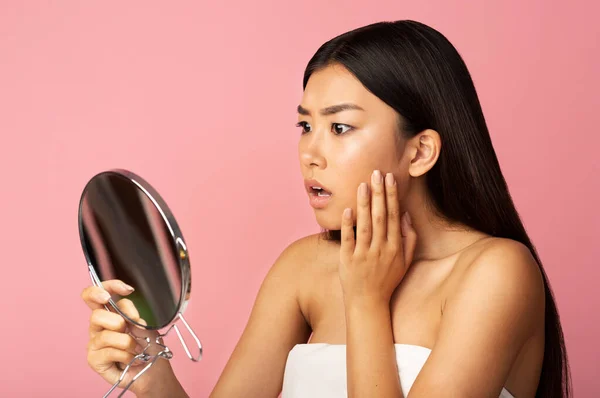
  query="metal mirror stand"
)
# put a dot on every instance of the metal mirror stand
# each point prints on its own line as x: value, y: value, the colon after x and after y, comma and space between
x: 164, y: 352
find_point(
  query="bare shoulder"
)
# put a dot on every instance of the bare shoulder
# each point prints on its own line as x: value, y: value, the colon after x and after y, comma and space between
x: 308, y: 244
x: 276, y: 324
x: 308, y: 251
x: 506, y: 262
x: 506, y: 270
x: 300, y: 261
x: 495, y: 313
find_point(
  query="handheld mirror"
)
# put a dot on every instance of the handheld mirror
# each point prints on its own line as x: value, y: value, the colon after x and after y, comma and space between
x: 128, y: 233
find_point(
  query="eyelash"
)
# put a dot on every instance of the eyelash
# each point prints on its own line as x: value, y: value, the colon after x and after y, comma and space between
x: 303, y: 125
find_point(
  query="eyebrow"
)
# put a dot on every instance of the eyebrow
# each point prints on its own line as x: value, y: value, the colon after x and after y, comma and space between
x: 330, y: 110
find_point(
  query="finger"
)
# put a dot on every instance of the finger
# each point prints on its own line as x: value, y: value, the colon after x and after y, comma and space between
x: 134, y: 329
x: 347, y: 242
x: 130, y: 311
x: 394, y: 233
x: 102, y: 319
x: 109, y: 338
x: 363, y: 219
x: 409, y: 239
x: 128, y: 308
x: 378, y: 210
x: 96, y: 297
x: 103, y: 362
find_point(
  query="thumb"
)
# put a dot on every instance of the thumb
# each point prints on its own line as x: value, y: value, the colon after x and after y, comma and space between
x: 409, y: 239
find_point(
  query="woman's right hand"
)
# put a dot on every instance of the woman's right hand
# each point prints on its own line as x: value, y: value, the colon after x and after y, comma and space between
x: 111, y: 347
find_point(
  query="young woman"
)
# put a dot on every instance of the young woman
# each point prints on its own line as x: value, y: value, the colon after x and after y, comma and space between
x: 423, y: 283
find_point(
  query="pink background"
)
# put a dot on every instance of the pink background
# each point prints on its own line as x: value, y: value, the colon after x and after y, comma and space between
x: 200, y: 100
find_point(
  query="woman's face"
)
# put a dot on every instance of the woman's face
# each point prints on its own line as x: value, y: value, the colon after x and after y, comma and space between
x: 341, y: 148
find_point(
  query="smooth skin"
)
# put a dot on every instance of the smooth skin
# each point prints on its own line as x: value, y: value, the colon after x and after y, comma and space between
x: 371, y: 267
x: 477, y: 301
x: 111, y: 347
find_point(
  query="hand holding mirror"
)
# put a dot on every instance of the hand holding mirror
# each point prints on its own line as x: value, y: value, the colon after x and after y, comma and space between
x: 128, y: 233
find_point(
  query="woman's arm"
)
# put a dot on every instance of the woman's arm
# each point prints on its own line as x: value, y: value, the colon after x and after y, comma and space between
x: 370, y: 353
x: 276, y: 324
x: 371, y: 267
x: 495, y: 310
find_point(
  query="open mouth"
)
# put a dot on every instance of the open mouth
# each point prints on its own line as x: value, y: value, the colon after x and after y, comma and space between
x: 318, y: 191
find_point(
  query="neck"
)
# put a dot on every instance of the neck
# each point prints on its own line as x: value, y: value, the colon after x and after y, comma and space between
x: 436, y: 238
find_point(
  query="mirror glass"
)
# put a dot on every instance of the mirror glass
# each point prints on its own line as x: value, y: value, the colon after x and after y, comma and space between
x: 128, y: 233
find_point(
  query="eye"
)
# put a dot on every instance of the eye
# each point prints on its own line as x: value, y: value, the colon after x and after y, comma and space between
x: 336, y: 128
x: 303, y: 125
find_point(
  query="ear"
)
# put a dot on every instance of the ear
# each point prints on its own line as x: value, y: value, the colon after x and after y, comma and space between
x: 424, y: 152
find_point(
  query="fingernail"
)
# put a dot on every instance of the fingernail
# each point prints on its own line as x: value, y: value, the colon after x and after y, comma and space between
x: 127, y: 287
x: 389, y: 179
x: 363, y: 189
x: 377, y: 177
x: 408, y: 219
x: 348, y: 213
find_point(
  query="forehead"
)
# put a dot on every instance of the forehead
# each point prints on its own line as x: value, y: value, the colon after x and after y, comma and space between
x: 333, y: 85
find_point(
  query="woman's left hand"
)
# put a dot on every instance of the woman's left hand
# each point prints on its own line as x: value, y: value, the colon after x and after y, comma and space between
x: 372, y: 266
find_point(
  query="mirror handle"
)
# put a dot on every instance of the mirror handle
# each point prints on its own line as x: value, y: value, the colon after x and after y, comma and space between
x: 182, y: 340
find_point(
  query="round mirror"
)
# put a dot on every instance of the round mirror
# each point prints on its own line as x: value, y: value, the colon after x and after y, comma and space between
x: 128, y: 233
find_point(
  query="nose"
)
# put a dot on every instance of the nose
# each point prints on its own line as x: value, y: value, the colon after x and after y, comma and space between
x: 311, y: 152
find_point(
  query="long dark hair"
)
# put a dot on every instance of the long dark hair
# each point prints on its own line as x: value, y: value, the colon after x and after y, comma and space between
x: 414, y: 69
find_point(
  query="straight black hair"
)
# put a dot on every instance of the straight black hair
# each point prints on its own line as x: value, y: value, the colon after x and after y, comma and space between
x: 415, y: 70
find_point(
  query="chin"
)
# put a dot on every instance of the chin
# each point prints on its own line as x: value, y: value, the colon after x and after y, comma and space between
x: 328, y: 219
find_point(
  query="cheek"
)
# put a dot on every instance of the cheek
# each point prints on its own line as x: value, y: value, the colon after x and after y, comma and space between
x: 356, y: 164
x: 351, y: 171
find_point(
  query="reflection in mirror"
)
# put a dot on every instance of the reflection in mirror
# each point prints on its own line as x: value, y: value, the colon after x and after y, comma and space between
x: 128, y: 233
x: 127, y: 239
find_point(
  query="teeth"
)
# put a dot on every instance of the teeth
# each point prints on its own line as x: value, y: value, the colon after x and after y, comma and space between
x: 320, y: 191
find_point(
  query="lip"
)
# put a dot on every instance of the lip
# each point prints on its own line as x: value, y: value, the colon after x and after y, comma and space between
x: 314, y: 183
x: 316, y: 201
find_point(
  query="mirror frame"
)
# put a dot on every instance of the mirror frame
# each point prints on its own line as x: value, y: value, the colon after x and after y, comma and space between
x: 177, y: 241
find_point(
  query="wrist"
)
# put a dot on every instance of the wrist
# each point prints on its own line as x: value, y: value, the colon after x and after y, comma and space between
x: 368, y: 320
x: 164, y: 390
x: 166, y: 385
x: 362, y: 304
